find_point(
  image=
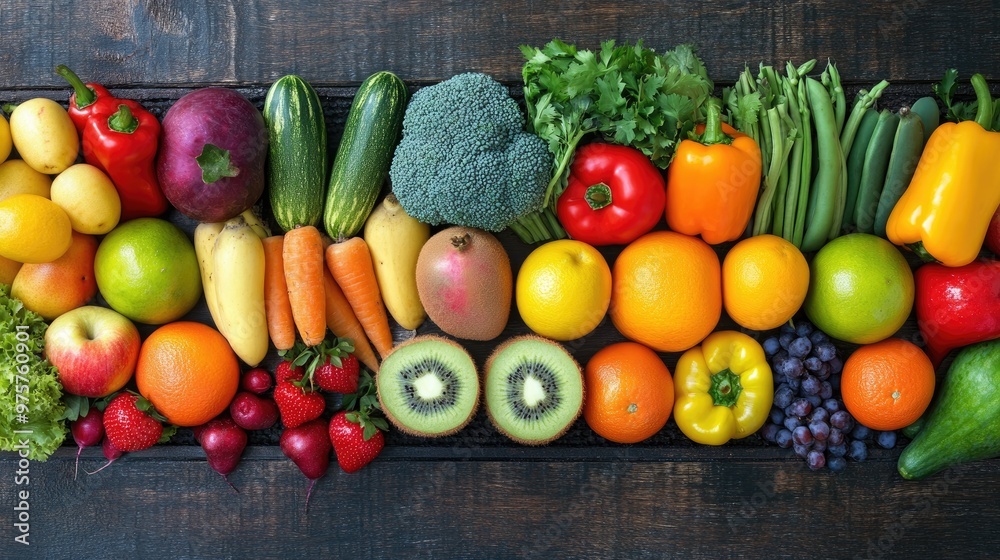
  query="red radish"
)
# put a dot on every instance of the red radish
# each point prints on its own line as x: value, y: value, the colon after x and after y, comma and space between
x: 251, y: 412
x: 223, y: 442
x: 308, y: 446
x: 87, y: 430
x: 111, y: 453
x: 257, y: 381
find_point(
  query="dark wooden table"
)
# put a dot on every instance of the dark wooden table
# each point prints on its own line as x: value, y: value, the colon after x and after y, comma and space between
x: 475, y: 495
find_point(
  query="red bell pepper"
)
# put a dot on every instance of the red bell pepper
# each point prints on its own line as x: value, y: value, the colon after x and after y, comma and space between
x: 957, y: 306
x: 87, y: 100
x: 124, y: 146
x: 614, y: 195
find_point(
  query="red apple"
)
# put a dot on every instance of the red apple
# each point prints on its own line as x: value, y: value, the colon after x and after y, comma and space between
x: 993, y: 234
x: 95, y: 350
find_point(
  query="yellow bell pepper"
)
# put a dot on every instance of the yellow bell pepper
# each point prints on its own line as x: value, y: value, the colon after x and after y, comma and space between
x: 945, y: 211
x: 723, y: 389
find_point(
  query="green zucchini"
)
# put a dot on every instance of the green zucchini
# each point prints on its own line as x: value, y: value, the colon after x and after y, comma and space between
x: 297, y: 154
x: 855, y: 163
x: 906, y: 149
x: 930, y: 114
x: 874, y: 169
x: 361, y: 165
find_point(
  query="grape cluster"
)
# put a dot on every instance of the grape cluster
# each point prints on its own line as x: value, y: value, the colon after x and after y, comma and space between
x: 808, y: 414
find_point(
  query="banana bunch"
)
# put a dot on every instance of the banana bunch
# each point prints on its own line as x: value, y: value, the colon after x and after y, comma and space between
x: 231, y: 259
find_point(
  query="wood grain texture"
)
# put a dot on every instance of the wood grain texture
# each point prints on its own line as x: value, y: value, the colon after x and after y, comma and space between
x: 127, y: 42
x: 622, y: 504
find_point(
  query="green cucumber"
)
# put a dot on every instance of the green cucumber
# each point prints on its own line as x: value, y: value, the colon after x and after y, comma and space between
x: 361, y: 165
x: 856, y: 162
x: 963, y: 424
x: 930, y: 114
x: 297, y: 154
x: 874, y: 169
x: 906, y: 149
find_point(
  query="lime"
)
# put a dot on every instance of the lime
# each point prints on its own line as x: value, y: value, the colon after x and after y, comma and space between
x: 147, y: 270
x: 860, y: 289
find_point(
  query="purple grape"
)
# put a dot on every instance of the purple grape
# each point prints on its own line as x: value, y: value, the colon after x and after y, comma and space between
x: 816, y: 460
x: 838, y: 450
x: 825, y: 390
x: 857, y: 450
x: 777, y: 416
x: 819, y: 445
x: 783, y: 439
x: 825, y: 351
x: 802, y: 436
x: 860, y: 431
x: 783, y: 396
x: 801, y: 450
x: 795, y: 384
x: 799, y: 407
x: 814, y: 400
x: 768, y: 432
x: 841, y: 420
x: 791, y: 368
x: 819, y: 415
x: 804, y: 329
x: 824, y: 373
x: 771, y: 346
x: 799, y: 347
x: 832, y: 405
x: 785, y: 338
x: 886, y: 440
x: 810, y: 385
x: 836, y: 464
x: 836, y: 437
x: 812, y: 363
x: 836, y: 365
x: 819, y: 430
x: 792, y: 422
x: 818, y: 337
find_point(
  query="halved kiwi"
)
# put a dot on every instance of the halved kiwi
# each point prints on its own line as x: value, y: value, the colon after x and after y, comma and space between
x: 533, y: 389
x: 428, y: 386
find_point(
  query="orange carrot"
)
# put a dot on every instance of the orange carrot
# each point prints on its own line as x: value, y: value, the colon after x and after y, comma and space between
x: 302, y: 252
x: 277, y: 308
x: 350, y: 262
x: 342, y: 321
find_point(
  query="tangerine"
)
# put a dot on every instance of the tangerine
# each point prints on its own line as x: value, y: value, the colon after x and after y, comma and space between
x: 764, y: 282
x: 887, y: 385
x: 188, y: 372
x: 630, y: 393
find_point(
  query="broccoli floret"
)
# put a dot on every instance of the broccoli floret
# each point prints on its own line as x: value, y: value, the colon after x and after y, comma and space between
x: 465, y: 159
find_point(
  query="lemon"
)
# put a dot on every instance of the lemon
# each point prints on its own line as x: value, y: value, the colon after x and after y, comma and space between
x: 17, y: 177
x: 33, y: 229
x: 764, y: 282
x: 146, y: 270
x: 5, y: 141
x: 860, y: 289
x: 563, y: 289
x: 89, y: 198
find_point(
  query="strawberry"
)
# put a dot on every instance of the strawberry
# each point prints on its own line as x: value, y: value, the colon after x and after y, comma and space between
x: 287, y: 371
x: 297, y: 405
x: 342, y: 378
x: 348, y: 431
x: 130, y: 424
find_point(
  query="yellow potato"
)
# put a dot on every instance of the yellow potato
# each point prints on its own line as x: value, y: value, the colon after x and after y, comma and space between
x: 44, y: 135
x: 17, y: 177
x: 5, y: 141
x: 89, y: 198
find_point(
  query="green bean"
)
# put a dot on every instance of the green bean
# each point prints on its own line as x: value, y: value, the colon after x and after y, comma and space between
x: 825, y: 189
x: 864, y: 102
x: 837, y: 94
x: 805, y: 176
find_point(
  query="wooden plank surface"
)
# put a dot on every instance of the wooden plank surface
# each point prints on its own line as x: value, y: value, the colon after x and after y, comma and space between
x: 233, y: 41
x: 476, y: 495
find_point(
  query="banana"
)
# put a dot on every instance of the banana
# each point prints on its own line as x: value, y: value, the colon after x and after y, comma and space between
x: 254, y: 222
x: 204, y: 249
x: 394, y: 239
x: 239, y: 290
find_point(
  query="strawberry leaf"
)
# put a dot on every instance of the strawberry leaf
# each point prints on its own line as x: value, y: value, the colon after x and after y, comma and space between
x: 168, y: 432
x: 369, y: 431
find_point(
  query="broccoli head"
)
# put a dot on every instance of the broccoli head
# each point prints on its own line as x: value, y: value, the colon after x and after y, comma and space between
x: 465, y: 159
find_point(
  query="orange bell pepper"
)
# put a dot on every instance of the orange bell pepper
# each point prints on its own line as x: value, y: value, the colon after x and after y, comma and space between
x: 713, y: 181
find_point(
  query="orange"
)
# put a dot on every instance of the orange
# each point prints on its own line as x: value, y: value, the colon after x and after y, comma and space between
x: 887, y: 385
x: 764, y: 282
x: 630, y: 393
x: 188, y: 372
x: 666, y: 291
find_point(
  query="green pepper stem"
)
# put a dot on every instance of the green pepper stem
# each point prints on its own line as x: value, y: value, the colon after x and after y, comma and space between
x: 984, y: 101
x: 84, y: 95
x: 713, y: 126
x: 123, y: 120
x: 726, y: 388
x: 921, y: 251
x: 598, y: 196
